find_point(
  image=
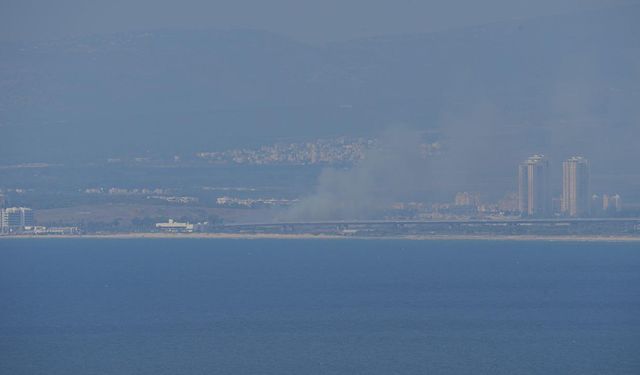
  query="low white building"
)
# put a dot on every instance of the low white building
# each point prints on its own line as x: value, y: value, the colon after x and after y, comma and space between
x: 175, y: 227
x: 40, y: 230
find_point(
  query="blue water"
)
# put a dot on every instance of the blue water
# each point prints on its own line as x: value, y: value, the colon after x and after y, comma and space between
x: 83, y: 306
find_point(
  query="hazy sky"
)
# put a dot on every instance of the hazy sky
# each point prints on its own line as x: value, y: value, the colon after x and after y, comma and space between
x: 313, y: 21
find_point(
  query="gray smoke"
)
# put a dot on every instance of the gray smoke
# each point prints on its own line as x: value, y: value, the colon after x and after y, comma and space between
x: 387, y: 173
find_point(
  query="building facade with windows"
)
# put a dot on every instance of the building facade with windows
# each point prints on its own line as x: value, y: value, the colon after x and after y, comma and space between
x: 576, y: 196
x: 534, y: 197
x: 16, y: 218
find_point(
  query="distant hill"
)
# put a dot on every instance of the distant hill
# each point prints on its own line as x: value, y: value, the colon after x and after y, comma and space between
x: 564, y: 83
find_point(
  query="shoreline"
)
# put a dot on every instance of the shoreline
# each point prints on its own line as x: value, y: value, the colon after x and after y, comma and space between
x: 307, y: 236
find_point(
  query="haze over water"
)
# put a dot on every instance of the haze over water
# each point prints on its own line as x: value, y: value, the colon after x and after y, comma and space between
x: 318, y: 307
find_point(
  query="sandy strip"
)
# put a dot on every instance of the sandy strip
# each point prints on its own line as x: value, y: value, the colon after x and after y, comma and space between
x: 245, y: 236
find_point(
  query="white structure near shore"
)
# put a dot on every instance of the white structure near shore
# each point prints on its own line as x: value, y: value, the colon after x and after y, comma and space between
x: 40, y: 230
x: 175, y: 227
x: 16, y: 219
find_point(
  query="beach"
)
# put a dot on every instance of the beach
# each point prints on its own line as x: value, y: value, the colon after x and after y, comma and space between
x: 303, y: 236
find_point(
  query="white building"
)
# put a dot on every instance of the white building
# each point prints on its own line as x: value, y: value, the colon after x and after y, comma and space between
x: 534, y: 197
x: 55, y: 230
x: 16, y: 218
x: 576, y: 197
x: 175, y: 227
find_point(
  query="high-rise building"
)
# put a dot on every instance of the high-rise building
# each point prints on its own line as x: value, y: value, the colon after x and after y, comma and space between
x: 611, y: 203
x: 27, y: 217
x: 576, y: 197
x: 534, y: 198
x: 16, y: 218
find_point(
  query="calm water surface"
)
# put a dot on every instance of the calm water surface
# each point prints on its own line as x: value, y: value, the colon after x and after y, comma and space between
x: 83, y: 306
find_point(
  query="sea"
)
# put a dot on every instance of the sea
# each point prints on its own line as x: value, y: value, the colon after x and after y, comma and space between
x: 270, y: 306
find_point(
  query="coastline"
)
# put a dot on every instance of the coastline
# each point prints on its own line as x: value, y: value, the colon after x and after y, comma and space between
x: 307, y: 236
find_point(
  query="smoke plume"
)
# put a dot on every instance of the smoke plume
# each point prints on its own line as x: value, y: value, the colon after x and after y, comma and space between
x: 387, y: 173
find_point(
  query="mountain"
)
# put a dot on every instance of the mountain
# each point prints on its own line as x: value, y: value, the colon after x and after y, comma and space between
x: 564, y: 84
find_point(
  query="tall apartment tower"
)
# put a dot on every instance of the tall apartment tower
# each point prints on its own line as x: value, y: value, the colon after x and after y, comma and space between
x: 16, y: 217
x: 534, y: 198
x: 611, y: 203
x: 576, y: 198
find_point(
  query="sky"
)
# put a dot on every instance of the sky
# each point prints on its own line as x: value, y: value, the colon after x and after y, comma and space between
x: 303, y: 20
